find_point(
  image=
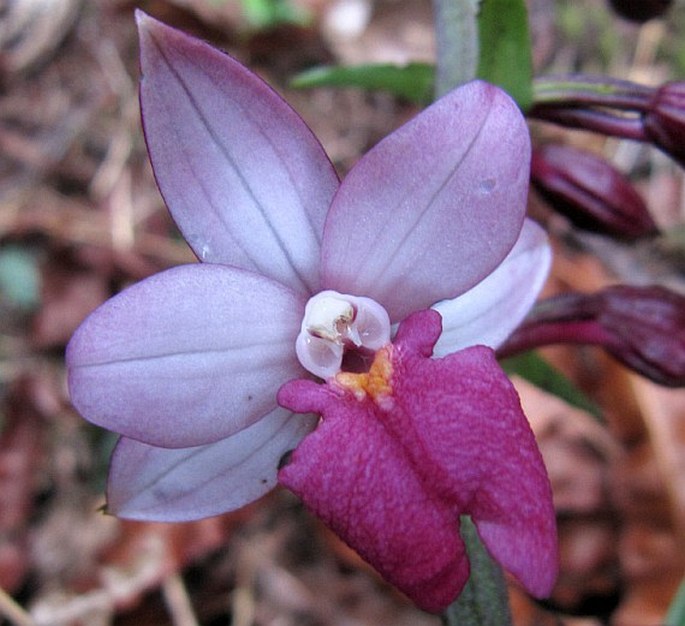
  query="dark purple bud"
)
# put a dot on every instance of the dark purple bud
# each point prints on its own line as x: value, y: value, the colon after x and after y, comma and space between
x: 640, y: 10
x: 643, y: 327
x: 648, y: 329
x: 664, y: 120
x: 590, y: 192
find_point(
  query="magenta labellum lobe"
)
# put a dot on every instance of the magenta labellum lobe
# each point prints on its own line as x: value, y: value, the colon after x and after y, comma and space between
x: 405, y: 449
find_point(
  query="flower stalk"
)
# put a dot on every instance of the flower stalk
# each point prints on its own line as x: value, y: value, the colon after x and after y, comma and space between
x: 484, y: 600
x: 642, y: 327
x: 456, y: 31
x: 581, y: 90
x: 616, y: 108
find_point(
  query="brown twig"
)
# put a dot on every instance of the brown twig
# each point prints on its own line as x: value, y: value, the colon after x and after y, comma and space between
x: 178, y: 602
x: 13, y: 611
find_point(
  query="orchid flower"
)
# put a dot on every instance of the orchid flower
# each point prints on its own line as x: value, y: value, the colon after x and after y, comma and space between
x: 305, y: 279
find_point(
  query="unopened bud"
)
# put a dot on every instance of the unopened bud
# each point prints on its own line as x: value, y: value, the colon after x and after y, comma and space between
x: 643, y: 327
x: 664, y: 120
x: 640, y: 10
x: 648, y: 328
x: 590, y: 192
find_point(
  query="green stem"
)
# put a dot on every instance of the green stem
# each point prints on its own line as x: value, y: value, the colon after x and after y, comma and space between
x: 484, y: 600
x: 580, y: 90
x: 456, y: 30
x: 676, y: 612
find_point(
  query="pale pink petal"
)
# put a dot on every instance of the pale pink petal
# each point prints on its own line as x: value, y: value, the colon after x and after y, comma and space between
x: 186, y: 357
x: 433, y: 208
x: 245, y: 179
x: 160, y: 484
x: 489, y: 312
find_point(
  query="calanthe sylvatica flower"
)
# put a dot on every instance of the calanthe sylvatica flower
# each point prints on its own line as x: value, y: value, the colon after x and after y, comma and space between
x: 303, y: 278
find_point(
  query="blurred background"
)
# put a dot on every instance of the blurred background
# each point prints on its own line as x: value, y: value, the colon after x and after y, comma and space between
x: 81, y: 218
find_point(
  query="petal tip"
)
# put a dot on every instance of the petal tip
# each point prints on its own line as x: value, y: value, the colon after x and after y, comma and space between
x: 420, y: 331
x: 141, y: 17
x: 146, y: 23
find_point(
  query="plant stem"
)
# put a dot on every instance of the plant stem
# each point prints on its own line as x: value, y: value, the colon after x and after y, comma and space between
x: 178, y: 602
x: 484, y: 600
x: 592, y: 120
x: 456, y: 29
x: 578, y: 90
x: 676, y: 612
x: 13, y: 611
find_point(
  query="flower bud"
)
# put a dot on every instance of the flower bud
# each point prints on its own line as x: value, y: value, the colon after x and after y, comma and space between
x: 648, y: 329
x: 643, y: 327
x: 640, y: 10
x: 664, y: 120
x: 590, y: 192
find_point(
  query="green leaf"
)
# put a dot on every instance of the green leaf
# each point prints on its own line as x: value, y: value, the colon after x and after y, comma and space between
x: 532, y: 367
x: 413, y: 82
x: 19, y: 278
x: 484, y: 600
x: 505, y: 49
x: 264, y: 14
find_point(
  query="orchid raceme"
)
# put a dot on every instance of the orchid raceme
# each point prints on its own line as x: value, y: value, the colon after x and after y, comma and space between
x: 303, y: 278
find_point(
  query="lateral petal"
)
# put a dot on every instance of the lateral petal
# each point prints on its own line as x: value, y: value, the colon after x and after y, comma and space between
x: 243, y: 176
x: 433, y: 208
x: 186, y: 357
x: 160, y: 484
x: 489, y: 312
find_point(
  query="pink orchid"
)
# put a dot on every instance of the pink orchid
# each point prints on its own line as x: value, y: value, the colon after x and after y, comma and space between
x: 305, y: 277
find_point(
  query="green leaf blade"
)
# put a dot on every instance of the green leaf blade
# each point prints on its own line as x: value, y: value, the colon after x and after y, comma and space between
x: 536, y: 370
x: 505, y: 50
x: 413, y: 82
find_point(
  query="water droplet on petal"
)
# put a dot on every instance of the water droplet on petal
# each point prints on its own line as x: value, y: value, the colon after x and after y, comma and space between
x: 487, y: 186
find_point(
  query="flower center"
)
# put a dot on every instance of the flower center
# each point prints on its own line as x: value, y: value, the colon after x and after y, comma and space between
x: 334, y: 323
x: 374, y: 383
